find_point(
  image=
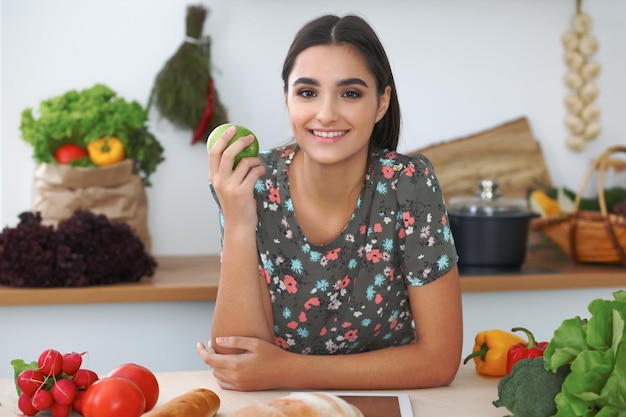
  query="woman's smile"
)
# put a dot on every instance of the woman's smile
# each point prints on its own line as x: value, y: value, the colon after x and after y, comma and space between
x: 328, y: 136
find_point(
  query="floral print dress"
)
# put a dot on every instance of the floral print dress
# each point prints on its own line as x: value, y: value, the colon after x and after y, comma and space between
x: 350, y: 295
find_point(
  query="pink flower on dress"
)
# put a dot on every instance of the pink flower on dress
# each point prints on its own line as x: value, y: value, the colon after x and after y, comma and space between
x: 266, y: 275
x: 274, y: 195
x: 323, y: 331
x: 292, y: 325
x: 409, y: 170
x: 344, y: 282
x: 378, y: 228
x: 363, y: 229
x: 402, y: 233
x: 407, y: 219
x: 333, y: 255
x: 387, y: 171
x: 393, y: 324
x: 290, y: 284
x: 279, y: 341
x: 374, y: 256
x: 312, y: 302
x: 302, y: 317
x: 378, y: 299
x: 444, y: 220
x: 346, y: 324
x: 351, y: 334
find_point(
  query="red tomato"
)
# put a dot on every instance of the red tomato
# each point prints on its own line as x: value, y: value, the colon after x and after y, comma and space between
x: 67, y: 153
x: 113, y: 396
x: 143, y: 377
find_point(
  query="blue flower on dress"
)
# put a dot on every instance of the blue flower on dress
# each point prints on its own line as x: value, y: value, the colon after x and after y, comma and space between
x: 268, y: 266
x: 352, y: 263
x: 447, y: 235
x: 321, y: 285
x: 443, y: 262
x: 302, y: 332
x: 379, y: 279
x: 286, y: 313
x: 366, y: 322
x: 289, y: 204
x: 305, y: 248
x: 381, y: 188
x: 296, y: 266
x: 388, y: 245
x: 315, y: 256
x: 259, y: 186
x: 370, y: 292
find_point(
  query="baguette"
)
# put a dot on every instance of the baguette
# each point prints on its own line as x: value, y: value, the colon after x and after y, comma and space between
x: 302, y: 404
x: 199, y: 402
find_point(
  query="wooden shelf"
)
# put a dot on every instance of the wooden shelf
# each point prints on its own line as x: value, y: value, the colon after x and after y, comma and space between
x: 185, y: 278
x: 195, y: 278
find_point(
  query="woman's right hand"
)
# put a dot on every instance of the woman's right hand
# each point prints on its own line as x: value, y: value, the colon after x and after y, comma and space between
x: 234, y: 187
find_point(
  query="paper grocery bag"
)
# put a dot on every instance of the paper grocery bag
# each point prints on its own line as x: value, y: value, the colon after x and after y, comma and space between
x: 113, y: 191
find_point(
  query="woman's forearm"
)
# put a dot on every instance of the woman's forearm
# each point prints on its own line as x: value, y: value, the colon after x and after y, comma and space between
x: 402, y: 367
x: 240, y: 306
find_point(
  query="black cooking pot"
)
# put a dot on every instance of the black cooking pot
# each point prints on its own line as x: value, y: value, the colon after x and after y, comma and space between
x: 490, y: 231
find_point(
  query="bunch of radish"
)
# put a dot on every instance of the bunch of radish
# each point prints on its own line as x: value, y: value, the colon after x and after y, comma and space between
x: 56, y: 383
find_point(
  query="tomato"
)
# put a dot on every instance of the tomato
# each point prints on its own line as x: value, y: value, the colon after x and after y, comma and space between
x: 250, y: 150
x: 143, y: 377
x: 113, y: 396
x: 67, y: 153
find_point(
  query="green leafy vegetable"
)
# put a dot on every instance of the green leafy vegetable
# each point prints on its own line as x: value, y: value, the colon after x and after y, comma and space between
x: 79, y: 117
x: 596, y: 350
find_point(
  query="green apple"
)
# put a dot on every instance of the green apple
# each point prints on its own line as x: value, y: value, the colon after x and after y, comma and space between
x: 250, y: 150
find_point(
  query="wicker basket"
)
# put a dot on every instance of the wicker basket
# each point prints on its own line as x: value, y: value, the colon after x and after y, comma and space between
x: 589, y: 236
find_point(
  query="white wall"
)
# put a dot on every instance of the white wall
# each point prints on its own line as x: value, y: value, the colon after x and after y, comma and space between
x: 461, y: 66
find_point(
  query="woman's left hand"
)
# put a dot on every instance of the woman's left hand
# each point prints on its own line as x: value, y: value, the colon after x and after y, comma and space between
x: 257, y: 368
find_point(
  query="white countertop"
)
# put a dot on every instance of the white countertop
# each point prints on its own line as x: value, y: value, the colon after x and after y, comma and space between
x: 470, y: 395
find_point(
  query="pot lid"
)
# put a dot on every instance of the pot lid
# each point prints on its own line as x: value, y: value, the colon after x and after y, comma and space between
x: 488, y: 201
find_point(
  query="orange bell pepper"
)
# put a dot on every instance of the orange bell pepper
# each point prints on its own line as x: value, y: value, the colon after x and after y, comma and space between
x: 490, y: 351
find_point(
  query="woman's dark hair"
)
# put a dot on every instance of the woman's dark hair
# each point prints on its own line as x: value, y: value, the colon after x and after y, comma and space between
x: 353, y: 31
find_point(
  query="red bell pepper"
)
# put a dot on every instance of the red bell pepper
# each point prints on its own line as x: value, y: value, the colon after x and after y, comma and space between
x: 520, y: 351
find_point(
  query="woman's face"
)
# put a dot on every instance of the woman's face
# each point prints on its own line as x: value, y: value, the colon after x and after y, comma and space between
x: 333, y: 103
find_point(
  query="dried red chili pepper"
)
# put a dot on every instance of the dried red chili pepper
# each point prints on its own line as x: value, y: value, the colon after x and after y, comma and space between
x: 519, y: 351
x: 207, y: 115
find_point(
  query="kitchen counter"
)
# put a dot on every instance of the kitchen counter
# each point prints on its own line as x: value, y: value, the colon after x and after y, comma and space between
x: 470, y: 395
x: 195, y: 278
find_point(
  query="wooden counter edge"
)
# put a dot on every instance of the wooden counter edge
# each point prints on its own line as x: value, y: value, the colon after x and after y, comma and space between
x: 196, y: 278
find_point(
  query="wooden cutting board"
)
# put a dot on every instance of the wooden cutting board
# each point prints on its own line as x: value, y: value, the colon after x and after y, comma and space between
x: 507, y: 153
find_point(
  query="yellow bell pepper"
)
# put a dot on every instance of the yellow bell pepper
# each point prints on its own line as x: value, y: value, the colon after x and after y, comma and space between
x: 106, y: 151
x: 490, y: 351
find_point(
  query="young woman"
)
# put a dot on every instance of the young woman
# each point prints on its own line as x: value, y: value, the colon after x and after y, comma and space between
x: 338, y: 265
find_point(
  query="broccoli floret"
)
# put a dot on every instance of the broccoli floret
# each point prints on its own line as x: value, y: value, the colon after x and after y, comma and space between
x: 530, y: 388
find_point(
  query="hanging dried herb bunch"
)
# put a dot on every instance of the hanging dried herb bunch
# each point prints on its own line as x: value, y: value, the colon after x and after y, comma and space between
x: 184, y: 90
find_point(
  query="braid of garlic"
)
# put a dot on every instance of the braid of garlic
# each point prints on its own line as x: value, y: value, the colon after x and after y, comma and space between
x: 582, y: 71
